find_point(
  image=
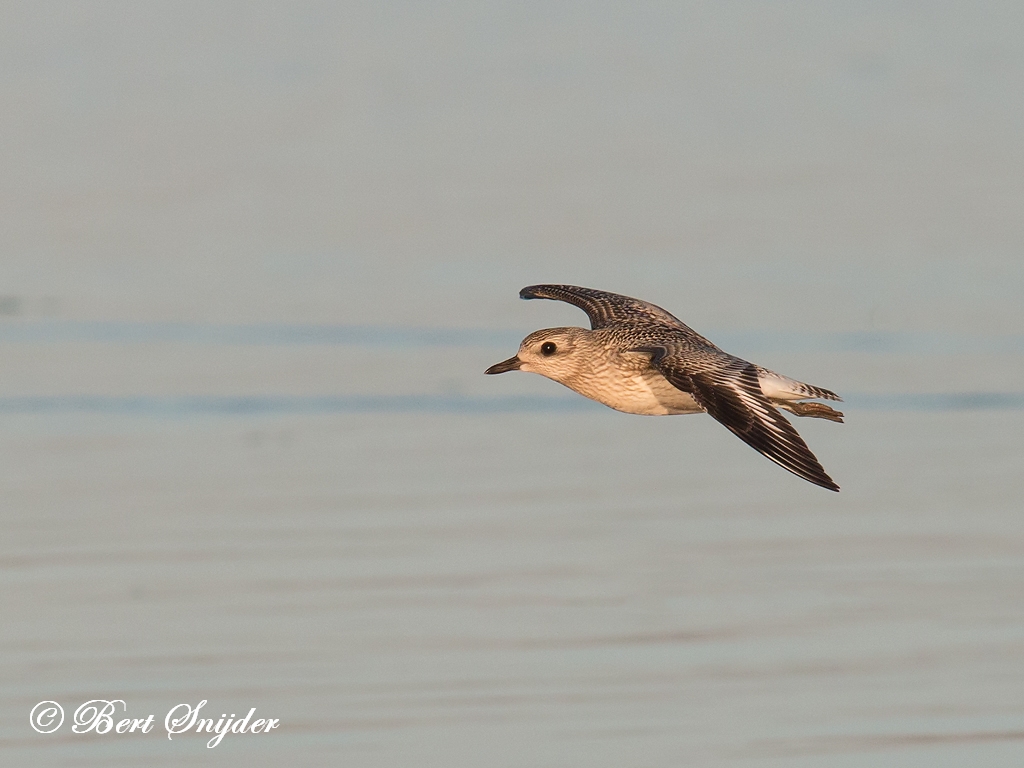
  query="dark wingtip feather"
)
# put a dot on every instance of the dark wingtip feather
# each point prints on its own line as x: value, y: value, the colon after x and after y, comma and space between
x: 830, y: 485
x: 536, y: 292
x: 811, y: 471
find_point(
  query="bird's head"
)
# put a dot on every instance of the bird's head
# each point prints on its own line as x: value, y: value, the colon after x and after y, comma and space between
x: 551, y: 352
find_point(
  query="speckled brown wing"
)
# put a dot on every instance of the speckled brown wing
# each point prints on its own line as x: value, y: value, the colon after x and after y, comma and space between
x: 610, y: 309
x: 728, y: 390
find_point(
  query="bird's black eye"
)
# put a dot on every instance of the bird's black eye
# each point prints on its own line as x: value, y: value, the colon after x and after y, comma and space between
x: 548, y: 348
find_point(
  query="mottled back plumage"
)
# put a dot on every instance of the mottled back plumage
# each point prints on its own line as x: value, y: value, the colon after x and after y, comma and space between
x: 610, y: 309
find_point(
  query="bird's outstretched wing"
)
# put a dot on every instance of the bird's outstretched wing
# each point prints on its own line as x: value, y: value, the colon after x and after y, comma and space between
x: 605, y: 309
x: 728, y: 390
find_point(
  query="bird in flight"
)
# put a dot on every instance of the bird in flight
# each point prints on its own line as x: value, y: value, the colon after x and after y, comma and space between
x: 638, y: 358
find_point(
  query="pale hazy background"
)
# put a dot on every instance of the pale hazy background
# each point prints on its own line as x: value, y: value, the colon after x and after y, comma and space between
x: 254, y: 258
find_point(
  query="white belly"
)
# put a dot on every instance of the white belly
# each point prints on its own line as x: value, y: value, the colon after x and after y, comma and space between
x: 646, y: 393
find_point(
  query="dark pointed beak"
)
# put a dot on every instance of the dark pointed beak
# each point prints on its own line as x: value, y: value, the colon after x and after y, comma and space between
x: 512, y: 364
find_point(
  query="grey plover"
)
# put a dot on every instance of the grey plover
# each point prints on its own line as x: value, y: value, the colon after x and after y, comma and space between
x: 638, y: 358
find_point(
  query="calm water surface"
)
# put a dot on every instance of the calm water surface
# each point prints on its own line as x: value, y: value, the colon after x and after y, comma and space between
x: 454, y: 579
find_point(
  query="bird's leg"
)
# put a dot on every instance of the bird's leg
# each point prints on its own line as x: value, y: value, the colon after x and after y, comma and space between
x: 815, y: 410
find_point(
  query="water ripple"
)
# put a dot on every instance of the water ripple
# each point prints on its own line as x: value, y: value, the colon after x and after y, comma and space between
x: 189, y: 405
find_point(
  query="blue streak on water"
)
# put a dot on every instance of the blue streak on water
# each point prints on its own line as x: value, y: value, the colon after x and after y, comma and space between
x: 248, y: 405
x: 870, y: 342
x: 743, y: 343
x: 277, y: 404
x: 936, y: 401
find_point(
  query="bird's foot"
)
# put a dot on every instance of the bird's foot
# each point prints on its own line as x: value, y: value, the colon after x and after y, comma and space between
x: 815, y: 410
